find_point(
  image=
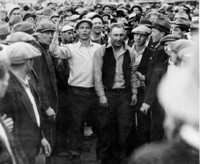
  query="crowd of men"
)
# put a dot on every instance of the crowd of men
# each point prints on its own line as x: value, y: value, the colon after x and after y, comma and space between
x: 70, y: 67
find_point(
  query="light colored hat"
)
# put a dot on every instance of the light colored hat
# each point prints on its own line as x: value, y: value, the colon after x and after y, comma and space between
x: 12, y: 9
x: 45, y: 25
x: 26, y: 27
x: 142, y: 29
x: 169, y: 37
x: 90, y: 15
x: 19, y: 37
x: 82, y: 21
x: 67, y: 28
x: 19, y: 52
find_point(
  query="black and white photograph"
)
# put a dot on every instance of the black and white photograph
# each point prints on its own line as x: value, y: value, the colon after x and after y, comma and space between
x: 99, y: 82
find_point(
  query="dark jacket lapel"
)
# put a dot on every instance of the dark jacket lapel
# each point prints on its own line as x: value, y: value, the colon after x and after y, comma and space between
x: 24, y: 97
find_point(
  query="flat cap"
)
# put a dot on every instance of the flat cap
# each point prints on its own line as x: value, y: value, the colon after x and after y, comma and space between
x: 67, y: 28
x: 169, y: 37
x: 45, y: 25
x: 19, y: 37
x: 19, y: 52
x: 82, y: 21
x: 29, y: 14
x: 141, y: 30
x: 26, y: 27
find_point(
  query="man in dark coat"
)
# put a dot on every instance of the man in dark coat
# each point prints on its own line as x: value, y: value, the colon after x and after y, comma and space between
x: 159, y: 29
x: 143, y: 54
x: 45, y: 72
x: 22, y: 103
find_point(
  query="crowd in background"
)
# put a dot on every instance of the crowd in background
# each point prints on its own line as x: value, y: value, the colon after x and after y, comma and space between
x: 130, y: 72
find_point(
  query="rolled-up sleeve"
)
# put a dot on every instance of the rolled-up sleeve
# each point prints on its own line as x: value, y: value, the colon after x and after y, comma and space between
x: 97, y: 71
x: 58, y: 51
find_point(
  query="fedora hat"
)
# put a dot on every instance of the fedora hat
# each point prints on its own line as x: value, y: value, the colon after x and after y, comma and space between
x: 162, y: 24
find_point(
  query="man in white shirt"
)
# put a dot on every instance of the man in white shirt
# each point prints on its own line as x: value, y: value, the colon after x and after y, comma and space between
x: 82, y: 94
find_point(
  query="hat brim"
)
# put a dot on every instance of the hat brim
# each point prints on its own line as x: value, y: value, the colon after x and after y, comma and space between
x: 157, y: 26
x: 47, y: 30
x: 83, y: 21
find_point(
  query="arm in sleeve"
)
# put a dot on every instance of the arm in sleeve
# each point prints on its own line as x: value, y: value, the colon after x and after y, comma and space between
x: 151, y: 93
x: 56, y: 50
x: 97, y: 71
x: 134, y: 78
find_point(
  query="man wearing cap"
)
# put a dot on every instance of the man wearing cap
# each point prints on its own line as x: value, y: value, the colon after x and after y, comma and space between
x: 113, y: 74
x: 150, y: 104
x: 160, y: 28
x: 137, y: 9
x: 96, y: 34
x: 81, y: 86
x: 14, y: 15
x: 67, y: 34
x: 21, y: 101
x: 44, y: 69
x: 143, y: 55
x: 181, y: 27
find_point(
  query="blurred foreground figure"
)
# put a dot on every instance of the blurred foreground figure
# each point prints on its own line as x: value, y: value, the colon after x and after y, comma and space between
x: 10, y: 150
x: 179, y: 95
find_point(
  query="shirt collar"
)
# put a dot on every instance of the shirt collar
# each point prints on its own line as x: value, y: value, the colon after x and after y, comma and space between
x: 80, y: 44
x: 141, y: 52
x: 24, y: 82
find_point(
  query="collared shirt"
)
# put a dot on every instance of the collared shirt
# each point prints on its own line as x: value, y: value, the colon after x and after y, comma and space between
x: 80, y: 60
x: 138, y: 55
x: 119, y: 77
x: 26, y: 86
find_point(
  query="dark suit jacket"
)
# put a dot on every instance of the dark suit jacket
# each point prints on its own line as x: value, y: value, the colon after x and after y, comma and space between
x: 15, y: 146
x: 16, y: 104
x: 158, y: 114
x: 45, y: 72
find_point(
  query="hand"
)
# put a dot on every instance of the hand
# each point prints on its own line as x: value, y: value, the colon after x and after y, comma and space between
x: 50, y: 112
x: 144, y: 108
x: 134, y: 100
x: 8, y: 122
x: 140, y: 76
x: 46, y: 146
x: 103, y: 101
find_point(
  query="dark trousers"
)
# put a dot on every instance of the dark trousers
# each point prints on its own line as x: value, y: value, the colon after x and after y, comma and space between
x: 115, y: 123
x: 82, y: 100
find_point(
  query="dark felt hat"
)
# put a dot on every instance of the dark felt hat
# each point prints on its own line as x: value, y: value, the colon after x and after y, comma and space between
x: 162, y: 24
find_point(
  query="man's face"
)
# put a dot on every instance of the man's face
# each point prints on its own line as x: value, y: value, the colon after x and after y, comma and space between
x: 170, y: 53
x: 136, y: 10
x: 177, y: 31
x: 107, y: 10
x: 156, y: 35
x: 97, y: 25
x: 140, y: 39
x: 46, y: 37
x: 15, y: 13
x: 30, y: 20
x: 117, y: 36
x: 68, y: 36
x: 84, y: 31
